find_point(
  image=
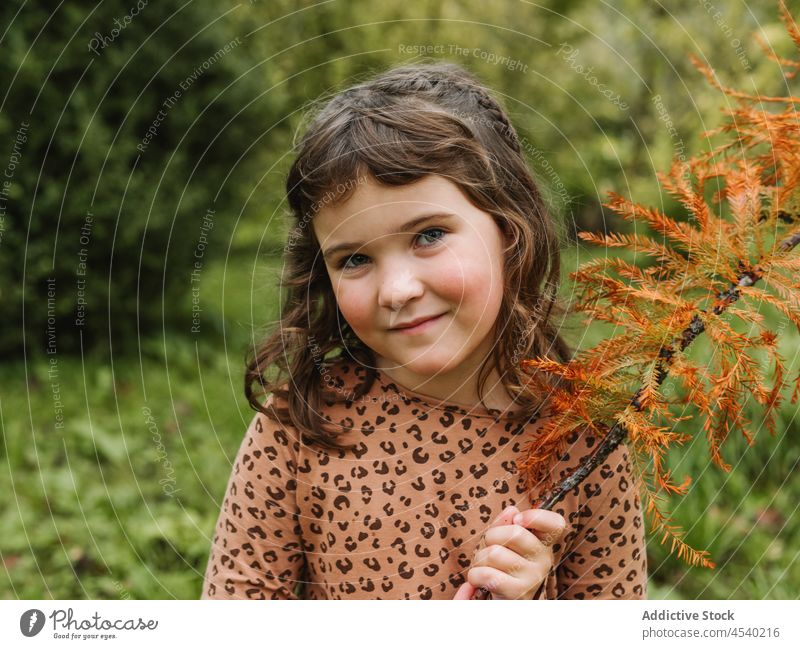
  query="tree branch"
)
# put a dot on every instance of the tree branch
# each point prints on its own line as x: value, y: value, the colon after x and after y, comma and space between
x: 618, y: 433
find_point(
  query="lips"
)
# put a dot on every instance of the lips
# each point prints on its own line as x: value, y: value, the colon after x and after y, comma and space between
x: 417, y: 322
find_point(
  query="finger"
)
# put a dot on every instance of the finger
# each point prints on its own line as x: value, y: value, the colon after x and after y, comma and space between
x: 466, y: 591
x: 506, y: 517
x: 546, y: 525
x: 524, y: 542
x: 496, y: 582
x: 503, y: 559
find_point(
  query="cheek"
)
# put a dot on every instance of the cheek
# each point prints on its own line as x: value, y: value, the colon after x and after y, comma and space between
x: 356, y: 307
x: 451, y: 281
x: 474, y: 285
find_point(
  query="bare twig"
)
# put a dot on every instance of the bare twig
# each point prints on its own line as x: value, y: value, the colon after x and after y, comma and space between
x: 790, y: 242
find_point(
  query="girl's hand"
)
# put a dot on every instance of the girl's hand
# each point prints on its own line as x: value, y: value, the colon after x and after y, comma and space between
x: 516, y: 555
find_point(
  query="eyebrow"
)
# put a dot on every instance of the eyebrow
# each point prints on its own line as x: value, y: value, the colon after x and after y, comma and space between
x: 403, y: 228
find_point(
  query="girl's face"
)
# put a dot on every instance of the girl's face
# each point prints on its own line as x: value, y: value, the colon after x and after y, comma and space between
x: 398, y: 254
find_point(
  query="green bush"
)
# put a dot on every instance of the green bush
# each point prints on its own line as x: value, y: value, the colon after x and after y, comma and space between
x: 123, y: 124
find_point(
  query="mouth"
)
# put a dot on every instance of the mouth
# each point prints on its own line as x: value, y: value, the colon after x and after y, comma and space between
x: 420, y: 326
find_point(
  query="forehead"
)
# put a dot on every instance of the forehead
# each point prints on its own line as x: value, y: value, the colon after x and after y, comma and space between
x: 373, y: 207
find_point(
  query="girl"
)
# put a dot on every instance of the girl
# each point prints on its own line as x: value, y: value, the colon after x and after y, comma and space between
x: 423, y: 267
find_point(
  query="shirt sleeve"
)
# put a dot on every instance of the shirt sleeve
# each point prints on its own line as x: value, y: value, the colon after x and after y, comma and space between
x: 607, y: 559
x: 257, y: 548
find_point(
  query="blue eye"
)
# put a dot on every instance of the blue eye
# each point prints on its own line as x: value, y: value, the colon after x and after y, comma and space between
x: 425, y: 233
x: 343, y: 263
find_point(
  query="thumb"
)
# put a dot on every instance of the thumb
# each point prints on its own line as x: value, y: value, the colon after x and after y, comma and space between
x: 466, y: 591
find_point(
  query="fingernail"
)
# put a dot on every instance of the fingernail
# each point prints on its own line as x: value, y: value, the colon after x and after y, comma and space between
x: 518, y: 519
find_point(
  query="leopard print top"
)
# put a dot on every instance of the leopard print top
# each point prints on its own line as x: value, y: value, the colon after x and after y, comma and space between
x: 402, y: 515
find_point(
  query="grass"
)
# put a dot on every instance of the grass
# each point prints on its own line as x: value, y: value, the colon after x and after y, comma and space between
x: 117, y: 505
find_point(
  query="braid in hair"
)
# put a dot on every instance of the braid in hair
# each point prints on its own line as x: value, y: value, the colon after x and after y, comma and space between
x: 438, y: 82
x: 498, y: 116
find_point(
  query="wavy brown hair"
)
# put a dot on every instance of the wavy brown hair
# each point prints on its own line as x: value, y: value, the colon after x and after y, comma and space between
x: 397, y: 128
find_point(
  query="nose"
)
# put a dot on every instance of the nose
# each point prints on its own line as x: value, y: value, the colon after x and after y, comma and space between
x: 398, y: 286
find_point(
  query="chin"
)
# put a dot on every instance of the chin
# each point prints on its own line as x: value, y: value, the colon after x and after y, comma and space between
x: 428, y: 363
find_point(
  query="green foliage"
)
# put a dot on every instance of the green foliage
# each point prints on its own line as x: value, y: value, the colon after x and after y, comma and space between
x: 113, y: 178
x: 86, y: 514
x: 580, y: 141
x: 122, y: 501
x: 578, y: 79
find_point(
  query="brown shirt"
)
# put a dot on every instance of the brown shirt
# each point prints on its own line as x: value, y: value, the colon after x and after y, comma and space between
x: 402, y: 516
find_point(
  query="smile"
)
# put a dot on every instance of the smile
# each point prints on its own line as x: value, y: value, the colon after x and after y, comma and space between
x: 421, y: 327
